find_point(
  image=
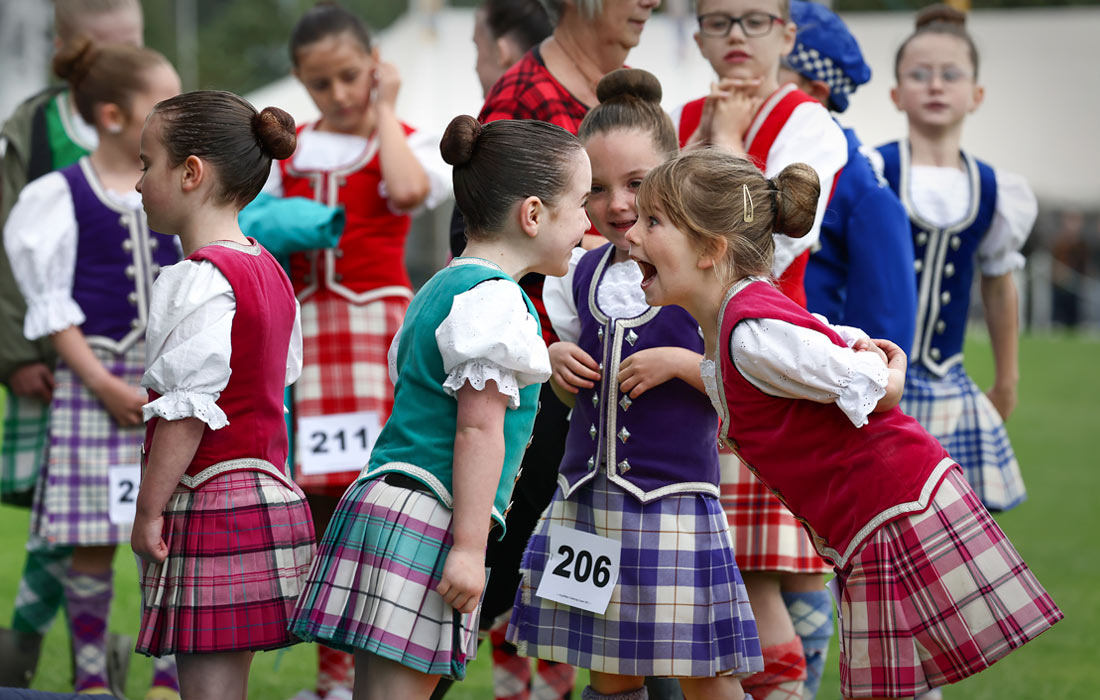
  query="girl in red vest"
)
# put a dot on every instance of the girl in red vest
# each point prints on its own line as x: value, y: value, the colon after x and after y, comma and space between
x: 227, y: 536
x: 930, y: 590
x: 358, y: 156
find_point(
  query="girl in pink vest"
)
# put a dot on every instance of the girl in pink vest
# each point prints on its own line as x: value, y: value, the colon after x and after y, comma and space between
x: 226, y: 535
x: 930, y: 590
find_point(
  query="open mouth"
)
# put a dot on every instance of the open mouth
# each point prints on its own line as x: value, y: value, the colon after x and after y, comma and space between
x: 649, y: 272
x: 623, y: 226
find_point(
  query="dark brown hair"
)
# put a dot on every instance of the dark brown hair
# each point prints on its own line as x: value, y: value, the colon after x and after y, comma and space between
x: 703, y: 193
x: 228, y: 133
x: 939, y: 19
x: 523, y: 21
x: 104, y: 73
x: 323, y: 20
x: 630, y: 98
x: 68, y: 15
x: 504, y: 162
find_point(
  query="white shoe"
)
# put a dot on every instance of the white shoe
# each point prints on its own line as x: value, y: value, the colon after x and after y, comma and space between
x: 934, y: 694
x: 339, y: 693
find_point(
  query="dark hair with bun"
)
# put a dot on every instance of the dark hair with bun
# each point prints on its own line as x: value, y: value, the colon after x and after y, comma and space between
x: 323, y: 20
x: 939, y: 19
x: 630, y: 98
x: 104, y: 73
x: 228, y: 133
x: 503, y: 162
x: 704, y: 193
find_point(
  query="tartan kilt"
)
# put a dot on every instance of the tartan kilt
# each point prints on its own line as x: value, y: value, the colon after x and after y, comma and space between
x: 71, y: 499
x: 239, y: 547
x: 344, y: 369
x: 766, y: 537
x: 679, y: 608
x: 22, y: 448
x: 372, y: 585
x: 935, y: 597
x: 959, y: 414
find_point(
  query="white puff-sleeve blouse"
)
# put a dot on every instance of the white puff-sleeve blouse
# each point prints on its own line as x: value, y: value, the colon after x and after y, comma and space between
x: 789, y: 361
x: 188, y: 343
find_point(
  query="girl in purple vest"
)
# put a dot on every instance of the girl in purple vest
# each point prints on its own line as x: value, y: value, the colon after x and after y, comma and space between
x: 226, y: 535
x: 641, y: 463
x: 85, y: 258
x: 930, y: 590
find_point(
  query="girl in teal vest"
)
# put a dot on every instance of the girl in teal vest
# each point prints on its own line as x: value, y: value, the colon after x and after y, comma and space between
x: 400, y: 572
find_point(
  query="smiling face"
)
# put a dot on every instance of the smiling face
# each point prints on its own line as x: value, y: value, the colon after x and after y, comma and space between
x: 337, y: 72
x: 738, y: 56
x: 622, y: 21
x: 672, y: 267
x: 620, y: 159
x: 565, y: 223
x: 936, y: 86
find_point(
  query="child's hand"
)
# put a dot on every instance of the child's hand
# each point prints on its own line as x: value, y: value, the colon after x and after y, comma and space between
x: 387, y: 82
x: 463, y: 579
x: 122, y: 401
x: 896, y: 364
x: 734, y: 106
x: 146, y: 539
x: 865, y: 344
x: 572, y: 368
x: 895, y: 356
x: 647, y: 368
x: 34, y: 380
x: 1003, y: 398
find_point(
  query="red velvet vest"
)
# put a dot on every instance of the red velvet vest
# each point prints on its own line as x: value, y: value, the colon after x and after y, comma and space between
x: 840, y: 481
x: 256, y: 437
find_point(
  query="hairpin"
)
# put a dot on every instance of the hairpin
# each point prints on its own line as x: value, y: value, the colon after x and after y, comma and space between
x: 746, y: 203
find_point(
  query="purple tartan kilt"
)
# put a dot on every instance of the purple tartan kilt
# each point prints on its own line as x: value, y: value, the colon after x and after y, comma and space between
x: 240, y: 546
x: 679, y: 608
x: 935, y: 597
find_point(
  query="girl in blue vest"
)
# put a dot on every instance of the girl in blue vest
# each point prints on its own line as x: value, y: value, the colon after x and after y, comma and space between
x: 84, y: 259
x: 641, y: 462
x: 400, y: 572
x: 962, y: 212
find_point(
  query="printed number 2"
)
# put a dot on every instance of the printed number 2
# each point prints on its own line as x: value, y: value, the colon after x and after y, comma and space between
x: 127, y: 487
x: 583, y: 567
x: 320, y: 438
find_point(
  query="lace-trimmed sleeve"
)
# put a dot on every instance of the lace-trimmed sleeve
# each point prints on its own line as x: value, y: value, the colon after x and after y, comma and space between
x: 489, y: 335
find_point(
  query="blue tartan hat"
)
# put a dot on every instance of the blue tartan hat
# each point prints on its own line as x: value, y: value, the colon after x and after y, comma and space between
x: 825, y: 50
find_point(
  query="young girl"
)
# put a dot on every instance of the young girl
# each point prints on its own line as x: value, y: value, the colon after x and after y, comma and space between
x: 227, y: 535
x: 930, y: 590
x: 640, y: 465
x: 399, y: 576
x: 750, y: 114
x: 361, y: 157
x: 959, y: 208
x: 85, y: 260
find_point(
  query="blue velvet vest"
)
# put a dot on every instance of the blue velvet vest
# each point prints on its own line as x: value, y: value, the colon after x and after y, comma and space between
x: 664, y: 441
x: 944, y: 260
x: 117, y: 259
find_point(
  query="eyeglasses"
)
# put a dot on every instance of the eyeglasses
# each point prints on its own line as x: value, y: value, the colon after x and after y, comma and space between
x: 949, y: 75
x: 753, y: 24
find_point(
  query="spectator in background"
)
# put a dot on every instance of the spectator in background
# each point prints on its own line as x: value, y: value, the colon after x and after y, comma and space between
x: 1070, y: 251
x: 504, y: 30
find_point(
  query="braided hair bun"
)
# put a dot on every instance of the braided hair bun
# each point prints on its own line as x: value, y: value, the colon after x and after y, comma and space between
x: 460, y: 140
x: 797, y: 189
x: 629, y: 82
x: 274, y: 129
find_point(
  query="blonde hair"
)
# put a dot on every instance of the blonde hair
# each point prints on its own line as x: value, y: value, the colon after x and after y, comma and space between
x: 68, y: 15
x: 712, y: 195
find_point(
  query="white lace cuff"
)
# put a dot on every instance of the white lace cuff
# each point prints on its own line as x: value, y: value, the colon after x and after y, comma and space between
x: 179, y: 404
x: 858, y: 399
x: 477, y: 372
x: 49, y: 313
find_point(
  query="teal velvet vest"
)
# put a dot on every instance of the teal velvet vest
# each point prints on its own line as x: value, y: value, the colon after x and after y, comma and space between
x: 418, y: 439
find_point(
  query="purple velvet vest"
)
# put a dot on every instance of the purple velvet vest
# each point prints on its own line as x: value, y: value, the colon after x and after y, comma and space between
x: 663, y: 442
x: 117, y: 258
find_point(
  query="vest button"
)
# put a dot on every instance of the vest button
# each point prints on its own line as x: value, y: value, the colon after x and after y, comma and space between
x: 595, y: 399
x: 599, y: 332
x: 130, y: 271
x: 631, y: 337
x: 945, y: 298
x: 132, y: 298
x: 941, y: 326
x: 127, y: 244
x: 592, y: 431
x: 935, y: 353
x: 337, y: 253
x: 153, y: 244
x: 624, y: 466
x: 624, y: 434
x: 135, y: 323
x: 956, y: 242
x: 922, y: 238
x: 949, y: 270
x: 592, y: 463
x: 625, y: 401
x: 918, y: 265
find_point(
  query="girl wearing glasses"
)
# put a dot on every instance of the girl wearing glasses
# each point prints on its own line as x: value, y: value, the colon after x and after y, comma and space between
x: 959, y: 209
x: 750, y: 114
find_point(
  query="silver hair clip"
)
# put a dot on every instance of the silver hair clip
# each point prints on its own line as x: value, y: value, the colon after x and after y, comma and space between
x: 746, y: 203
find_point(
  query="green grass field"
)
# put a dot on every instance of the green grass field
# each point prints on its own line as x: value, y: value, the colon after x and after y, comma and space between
x: 1055, y: 432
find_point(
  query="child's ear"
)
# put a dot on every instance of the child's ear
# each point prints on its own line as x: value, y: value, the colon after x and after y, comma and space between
x: 976, y: 100
x: 894, y: 98
x: 193, y: 174
x: 110, y: 116
x: 506, y: 50
x: 709, y: 257
x: 530, y: 215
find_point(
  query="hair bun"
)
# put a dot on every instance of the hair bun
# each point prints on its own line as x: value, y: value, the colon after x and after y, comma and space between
x: 274, y: 129
x: 460, y: 140
x: 797, y: 190
x: 940, y: 14
x: 629, y: 82
x: 73, y: 62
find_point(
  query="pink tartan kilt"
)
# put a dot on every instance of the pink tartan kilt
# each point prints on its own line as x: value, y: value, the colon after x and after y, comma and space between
x: 344, y: 370
x: 766, y: 537
x: 239, y: 548
x: 935, y: 597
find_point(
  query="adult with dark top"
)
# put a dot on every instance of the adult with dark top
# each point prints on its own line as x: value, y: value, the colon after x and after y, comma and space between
x: 554, y: 82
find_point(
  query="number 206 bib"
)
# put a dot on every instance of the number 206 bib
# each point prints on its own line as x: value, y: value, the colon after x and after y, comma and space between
x: 582, y: 569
